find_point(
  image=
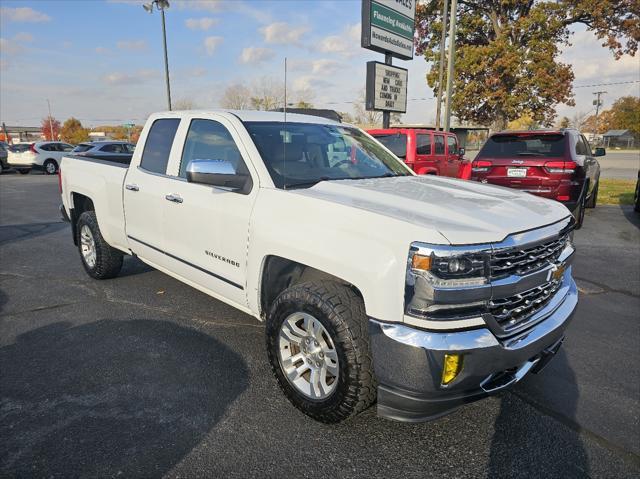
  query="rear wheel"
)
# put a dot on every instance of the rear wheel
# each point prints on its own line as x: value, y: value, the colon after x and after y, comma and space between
x: 318, y: 345
x: 594, y: 196
x: 50, y: 167
x: 100, y: 260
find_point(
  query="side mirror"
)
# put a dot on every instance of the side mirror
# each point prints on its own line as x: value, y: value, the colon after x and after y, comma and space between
x: 461, y: 152
x: 218, y: 173
x: 600, y: 152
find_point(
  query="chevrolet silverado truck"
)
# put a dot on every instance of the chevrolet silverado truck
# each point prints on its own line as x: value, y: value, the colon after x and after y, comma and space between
x: 423, y: 293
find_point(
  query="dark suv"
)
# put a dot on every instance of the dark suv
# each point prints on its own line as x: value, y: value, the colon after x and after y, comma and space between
x: 555, y: 164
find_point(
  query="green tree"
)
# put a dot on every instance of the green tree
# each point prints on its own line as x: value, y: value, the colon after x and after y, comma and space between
x: 626, y: 114
x: 507, y: 52
x: 73, y: 132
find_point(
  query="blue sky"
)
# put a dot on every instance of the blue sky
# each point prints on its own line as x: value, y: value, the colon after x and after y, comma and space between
x: 101, y: 61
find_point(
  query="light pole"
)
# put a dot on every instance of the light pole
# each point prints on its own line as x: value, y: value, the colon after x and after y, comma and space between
x: 50, y: 121
x: 162, y: 5
x: 450, y: 64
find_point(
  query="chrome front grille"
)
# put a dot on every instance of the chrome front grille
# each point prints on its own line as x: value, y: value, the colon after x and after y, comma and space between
x: 521, y: 261
x: 510, y: 312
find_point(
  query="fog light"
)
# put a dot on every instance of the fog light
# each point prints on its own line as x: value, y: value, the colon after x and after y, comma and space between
x: 452, y: 367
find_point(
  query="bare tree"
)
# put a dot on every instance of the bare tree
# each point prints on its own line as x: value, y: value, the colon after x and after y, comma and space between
x: 365, y: 118
x: 236, y: 97
x: 578, y: 119
x: 184, y: 104
x: 267, y: 94
x: 303, y: 98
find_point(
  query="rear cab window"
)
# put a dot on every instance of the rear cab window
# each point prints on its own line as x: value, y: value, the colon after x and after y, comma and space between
x: 157, y: 147
x: 396, y: 142
x: 509, y: 146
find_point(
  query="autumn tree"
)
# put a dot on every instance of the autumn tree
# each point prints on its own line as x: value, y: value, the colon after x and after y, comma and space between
x: 564, y: 122
x: 73, y: 132
x: 604, y: 123
x: 506, y: 62
x: 626, y: 114
x: 50, y: 128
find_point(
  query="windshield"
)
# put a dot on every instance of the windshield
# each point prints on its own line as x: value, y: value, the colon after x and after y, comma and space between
x: 509, y: 146
x: 303, y: 154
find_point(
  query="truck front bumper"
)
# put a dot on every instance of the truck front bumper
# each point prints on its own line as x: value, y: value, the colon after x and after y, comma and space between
x: 408, y: 362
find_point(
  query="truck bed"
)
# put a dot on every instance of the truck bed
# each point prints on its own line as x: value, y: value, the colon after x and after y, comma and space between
x: 102, y: 181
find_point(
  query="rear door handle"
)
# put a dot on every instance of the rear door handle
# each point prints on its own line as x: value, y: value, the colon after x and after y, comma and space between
x: 132, y: 187
x: 174, y: 198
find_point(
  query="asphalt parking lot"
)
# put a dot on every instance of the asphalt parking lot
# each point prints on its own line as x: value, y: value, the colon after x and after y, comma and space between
x: 142, y: 376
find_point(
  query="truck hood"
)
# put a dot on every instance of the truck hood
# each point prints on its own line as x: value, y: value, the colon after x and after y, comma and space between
x: 464, y: 212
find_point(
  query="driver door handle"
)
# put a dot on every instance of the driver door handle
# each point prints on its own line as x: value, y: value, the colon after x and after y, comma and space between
x: 174, y: 198
x: 132, y: 187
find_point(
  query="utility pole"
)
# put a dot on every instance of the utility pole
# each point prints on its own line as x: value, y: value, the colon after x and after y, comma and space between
x: 443, y: 40
x: 386, y: 115
x: 598, y: 104
x: 50, y: 121
x: 450, y: 63
x: 166, y: 59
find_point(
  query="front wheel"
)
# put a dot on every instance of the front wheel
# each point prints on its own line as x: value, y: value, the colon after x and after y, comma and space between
x: 50, y: 167
x: 318, y: 346
x: 100, y: 260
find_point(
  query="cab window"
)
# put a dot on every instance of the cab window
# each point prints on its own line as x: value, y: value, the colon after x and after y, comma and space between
x: 423, y: 144
x: 155, y: 155
x: 439, y: 140
x: 452, y: 145
x: 210, y: 140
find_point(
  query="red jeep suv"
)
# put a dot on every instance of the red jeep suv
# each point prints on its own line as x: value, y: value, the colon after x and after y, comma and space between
x: 556, y: 164
x: 426, y: 152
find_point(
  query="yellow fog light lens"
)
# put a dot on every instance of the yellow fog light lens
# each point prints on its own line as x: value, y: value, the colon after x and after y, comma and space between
x: 421, y: 262
x: 452, y: 367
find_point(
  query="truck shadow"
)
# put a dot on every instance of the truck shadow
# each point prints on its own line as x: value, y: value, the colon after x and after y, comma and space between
x: 12, y: 233
x: 128, y: 398
x: 528, y: 441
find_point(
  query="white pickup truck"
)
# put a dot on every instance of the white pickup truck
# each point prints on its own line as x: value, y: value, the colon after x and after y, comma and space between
x: 422, y: 292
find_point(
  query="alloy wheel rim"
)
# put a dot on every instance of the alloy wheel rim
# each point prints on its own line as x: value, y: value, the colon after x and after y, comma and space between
x: 307, y: 356
x: 87, y: 246
x: 51, y: 168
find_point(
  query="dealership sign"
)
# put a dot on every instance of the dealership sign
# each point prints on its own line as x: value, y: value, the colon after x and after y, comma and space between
x: 388, y: 26
x: 386, y: 88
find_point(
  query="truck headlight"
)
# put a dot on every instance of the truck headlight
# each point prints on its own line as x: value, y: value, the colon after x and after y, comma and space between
x: 435, y: 272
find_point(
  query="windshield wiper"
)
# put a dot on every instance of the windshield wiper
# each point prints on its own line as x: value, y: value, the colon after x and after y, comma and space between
x: 307, y: 184
x: 386, y: 175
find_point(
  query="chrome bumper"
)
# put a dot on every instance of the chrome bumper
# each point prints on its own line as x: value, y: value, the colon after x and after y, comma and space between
x: 408, y: 362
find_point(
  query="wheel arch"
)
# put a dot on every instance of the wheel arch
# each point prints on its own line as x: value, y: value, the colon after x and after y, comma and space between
x: 279, y: 273
x: 79, y: 204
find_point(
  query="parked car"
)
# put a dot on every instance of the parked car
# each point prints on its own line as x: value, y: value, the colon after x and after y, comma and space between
x: 555, y: 164
x: 426, y: 152
x: 42, y: 155
x: 118, y: 151
x: 425, y: 292
x: 4, y: 153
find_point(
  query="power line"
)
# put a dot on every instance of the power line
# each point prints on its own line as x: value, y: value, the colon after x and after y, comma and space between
x: 606, y: 84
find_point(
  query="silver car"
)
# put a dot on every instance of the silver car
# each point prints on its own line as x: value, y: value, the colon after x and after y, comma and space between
x: 117, y: 151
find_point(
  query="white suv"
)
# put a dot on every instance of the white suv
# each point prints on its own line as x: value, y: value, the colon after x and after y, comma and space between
x: 42, y: 155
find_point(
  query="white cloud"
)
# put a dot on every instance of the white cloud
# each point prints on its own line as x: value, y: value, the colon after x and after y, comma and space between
x: 325, y: 65
x: 102, y: 51
x: 206, y: 5
x: 132, y: 45
x: 310, y: 83
x: 197, y: 72
x: 256, y: 55
x: 120, y: 78
x: 211, y: 43
x: 23, y: 37
x: 204, y: 23
x: 23, y: 14
x: 282, y: 33
x: 10, y: 46
x: 347, y: 43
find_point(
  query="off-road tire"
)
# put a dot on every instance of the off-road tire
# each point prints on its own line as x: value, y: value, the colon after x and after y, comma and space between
x: 341, y: 312
x: 594, y: 196
x: 108, y: 259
